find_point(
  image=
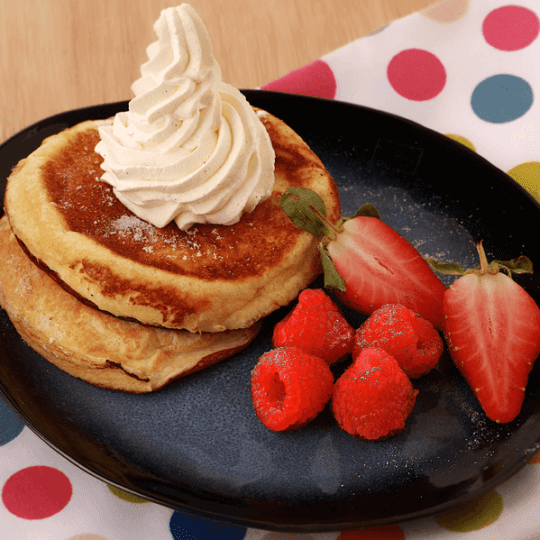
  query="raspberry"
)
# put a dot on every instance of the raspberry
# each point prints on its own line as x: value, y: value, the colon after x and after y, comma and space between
x: 315, y: 326
x: 374, y: 396
x: 401, y: 332
x: 289, y: 388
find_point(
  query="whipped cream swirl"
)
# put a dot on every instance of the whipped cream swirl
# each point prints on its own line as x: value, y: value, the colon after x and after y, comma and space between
x: 191, y: 148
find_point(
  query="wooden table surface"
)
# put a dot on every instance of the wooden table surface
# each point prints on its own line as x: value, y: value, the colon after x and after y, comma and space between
x: 57, y: 55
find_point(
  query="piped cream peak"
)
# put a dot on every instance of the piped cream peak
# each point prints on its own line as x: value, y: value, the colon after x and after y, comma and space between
x: 190, y: 148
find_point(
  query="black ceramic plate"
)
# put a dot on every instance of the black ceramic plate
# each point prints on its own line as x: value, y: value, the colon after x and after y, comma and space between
x: 197, y: 446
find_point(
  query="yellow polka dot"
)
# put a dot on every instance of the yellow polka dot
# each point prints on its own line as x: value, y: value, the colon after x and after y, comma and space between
x: 528, y: 175
x: 462, y: 140
x: 125, y: 496
x: 448, y: 11
x: 477, y: 514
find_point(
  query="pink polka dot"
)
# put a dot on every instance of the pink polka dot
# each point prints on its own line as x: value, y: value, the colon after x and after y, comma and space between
x: 315, y: 79
x: 416, y: 74
x: 36, y: 492
x: 510, y: 28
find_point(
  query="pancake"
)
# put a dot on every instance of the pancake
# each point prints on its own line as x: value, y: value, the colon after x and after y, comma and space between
x: 97, y: 347
x: 209, y: 278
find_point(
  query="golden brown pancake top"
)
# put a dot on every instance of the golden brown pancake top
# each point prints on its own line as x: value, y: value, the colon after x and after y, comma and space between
x: 89, y: 206
x: 210, y: 278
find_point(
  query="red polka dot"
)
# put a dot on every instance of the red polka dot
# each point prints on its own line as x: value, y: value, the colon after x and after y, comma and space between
x: 36, y: 492
x: 416, y: 74
x: 315, y: 79
x: 510, y: 28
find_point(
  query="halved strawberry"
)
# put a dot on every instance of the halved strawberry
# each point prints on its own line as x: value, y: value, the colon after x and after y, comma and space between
x: 492, y: 329
x: 381, y: 267
x: 366, y: 262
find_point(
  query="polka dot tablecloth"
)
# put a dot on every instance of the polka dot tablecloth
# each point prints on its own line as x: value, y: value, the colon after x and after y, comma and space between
x: 467, y: 68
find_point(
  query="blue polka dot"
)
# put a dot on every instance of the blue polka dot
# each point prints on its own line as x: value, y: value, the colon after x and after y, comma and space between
x: 187, y: 527
x: 502, y: 98
x: 10, y: 425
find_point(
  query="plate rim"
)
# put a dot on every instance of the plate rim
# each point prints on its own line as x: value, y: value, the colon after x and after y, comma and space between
x: 83, y: 113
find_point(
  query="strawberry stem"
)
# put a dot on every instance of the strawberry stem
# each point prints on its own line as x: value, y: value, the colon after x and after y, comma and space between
x: 483, y: 258
x: 332, y: 229
x: 484, y: 265
x: 522, y: 265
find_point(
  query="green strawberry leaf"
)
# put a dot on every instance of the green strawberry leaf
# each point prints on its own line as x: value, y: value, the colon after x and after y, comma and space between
x: 522, y: 265
x: 449, y: 269
x: 297, y: 203
x: 332, y: 279
x: 367, y: 210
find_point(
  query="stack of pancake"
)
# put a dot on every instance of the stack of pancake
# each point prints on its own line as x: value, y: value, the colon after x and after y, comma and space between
x: 114, y: 300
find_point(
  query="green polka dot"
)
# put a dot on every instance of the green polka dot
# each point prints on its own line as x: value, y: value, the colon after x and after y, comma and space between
x: 125, y: 496
x: 528, y: 175
x: 462, y: 140
x: 475, y: 515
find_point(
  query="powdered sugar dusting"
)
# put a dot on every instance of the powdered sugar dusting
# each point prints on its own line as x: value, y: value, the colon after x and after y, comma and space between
x: 187, y: 244
x: 24, y: 287
x: 138, y: 229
